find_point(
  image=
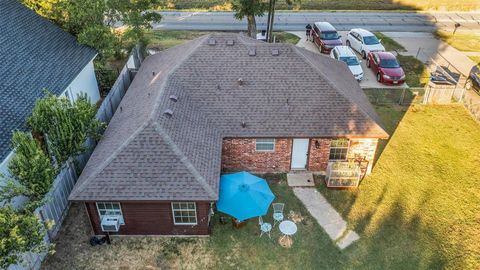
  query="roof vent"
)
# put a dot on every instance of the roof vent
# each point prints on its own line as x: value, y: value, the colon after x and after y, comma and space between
x: 243, y: 124
x: 173, y: 98
x: 219, y: 87
x: 252, y: 52
x: 230, y: 42
x: 275, y: 52
x: 211, y: 42
x: 168, y: 112
x: 153, y: 73
x: 240, y: 81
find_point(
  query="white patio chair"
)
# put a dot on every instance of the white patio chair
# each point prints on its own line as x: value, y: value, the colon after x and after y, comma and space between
x: 278, y: 212
x: 265, y: 228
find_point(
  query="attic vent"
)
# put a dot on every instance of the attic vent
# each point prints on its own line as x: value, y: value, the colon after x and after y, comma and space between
x: 173, y: 98
x: 252, y: 52
x: 230, y: 42
x: 240, y: 81
x: 168, y: 112
x: 275, y: 52
x: 211, y: 42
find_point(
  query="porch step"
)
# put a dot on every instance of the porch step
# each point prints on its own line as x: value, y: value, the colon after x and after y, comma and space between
x: 300, y: 179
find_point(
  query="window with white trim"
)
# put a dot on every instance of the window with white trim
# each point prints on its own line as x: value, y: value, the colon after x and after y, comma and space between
x: 184, y: 213
x: 264, y: 145
x: 338, y: 149
x: 110, y: 209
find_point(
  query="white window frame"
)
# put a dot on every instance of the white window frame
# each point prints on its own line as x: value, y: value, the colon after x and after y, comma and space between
x: 346, y: 154
x: 256, y: 143
x: 184, y: 223
x: 122, y: 221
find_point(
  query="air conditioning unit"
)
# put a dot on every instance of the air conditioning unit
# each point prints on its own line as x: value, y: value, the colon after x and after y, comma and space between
x: 110, y: 223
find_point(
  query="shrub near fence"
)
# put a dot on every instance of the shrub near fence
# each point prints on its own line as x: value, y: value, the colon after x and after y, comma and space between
x: 56, y: 206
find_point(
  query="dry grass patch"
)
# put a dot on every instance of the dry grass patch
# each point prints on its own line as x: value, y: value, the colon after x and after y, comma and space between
x: 126, y: 253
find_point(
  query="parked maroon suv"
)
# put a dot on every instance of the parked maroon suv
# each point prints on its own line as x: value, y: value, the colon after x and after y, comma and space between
x: 386, y: 67
x: 325, y: 36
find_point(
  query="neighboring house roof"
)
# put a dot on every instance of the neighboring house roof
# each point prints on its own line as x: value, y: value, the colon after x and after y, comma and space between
x: 34, y: 54
x: 146, y: 154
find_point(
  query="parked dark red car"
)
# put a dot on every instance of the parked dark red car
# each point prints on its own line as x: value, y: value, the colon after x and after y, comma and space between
x: 386, y: 67
x: 325, y: 36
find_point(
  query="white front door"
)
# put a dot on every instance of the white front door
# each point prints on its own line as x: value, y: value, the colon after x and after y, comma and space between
x: 299, y: 154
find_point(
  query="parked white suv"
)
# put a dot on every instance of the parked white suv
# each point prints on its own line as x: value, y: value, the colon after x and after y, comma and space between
x: 345, y: 54
x: 363, y: 42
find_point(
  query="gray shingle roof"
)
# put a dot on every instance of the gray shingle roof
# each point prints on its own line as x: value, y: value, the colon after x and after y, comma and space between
x: 35, y: 54
x: 148, y: 155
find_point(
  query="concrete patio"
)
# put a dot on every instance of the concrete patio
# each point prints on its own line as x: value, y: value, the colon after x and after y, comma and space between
x: 300, y: 179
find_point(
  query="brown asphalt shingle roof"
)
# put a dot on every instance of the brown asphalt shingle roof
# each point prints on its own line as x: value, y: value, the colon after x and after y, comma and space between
x: 147, y: 155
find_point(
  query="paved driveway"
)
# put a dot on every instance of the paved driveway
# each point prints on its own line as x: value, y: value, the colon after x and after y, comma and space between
x: 426, y: 48
x: 369, y: 78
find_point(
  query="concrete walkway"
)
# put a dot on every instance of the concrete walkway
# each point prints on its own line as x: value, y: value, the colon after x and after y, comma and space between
x: 426, y: 46
x: 472, y: 53
x: 326, y: 216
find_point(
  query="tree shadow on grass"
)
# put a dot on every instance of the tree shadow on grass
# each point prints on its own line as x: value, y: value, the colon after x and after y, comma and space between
x: 393, y: 239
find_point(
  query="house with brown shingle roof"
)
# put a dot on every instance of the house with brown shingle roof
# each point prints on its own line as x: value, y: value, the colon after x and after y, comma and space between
x: 220, y: 103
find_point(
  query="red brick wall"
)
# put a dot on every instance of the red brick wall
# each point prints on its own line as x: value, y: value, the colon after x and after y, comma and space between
x: 240, y: 154
x: 152, y: 218
x: 318, y: 157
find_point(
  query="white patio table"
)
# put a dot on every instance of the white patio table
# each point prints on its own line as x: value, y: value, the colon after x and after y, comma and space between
x: 288, y: 228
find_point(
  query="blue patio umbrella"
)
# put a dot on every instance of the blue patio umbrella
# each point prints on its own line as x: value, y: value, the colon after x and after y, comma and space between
x: 244, y: 195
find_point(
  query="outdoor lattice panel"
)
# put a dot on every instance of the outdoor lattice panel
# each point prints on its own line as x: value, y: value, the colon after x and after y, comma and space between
x: 343, y: 174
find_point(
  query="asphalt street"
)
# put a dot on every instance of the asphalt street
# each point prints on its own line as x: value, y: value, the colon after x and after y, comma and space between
x: 296, y: 21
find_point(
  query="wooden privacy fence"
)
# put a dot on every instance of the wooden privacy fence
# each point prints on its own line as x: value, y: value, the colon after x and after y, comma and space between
x: 57, y: 204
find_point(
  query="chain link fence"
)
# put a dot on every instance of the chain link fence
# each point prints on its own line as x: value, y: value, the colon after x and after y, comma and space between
x: 400, y: 96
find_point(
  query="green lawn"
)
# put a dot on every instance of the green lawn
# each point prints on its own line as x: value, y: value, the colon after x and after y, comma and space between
x: 333, y: 5
x: 467, y: 42
x: 420, y: 209
x: 416, y: 72
x: 284, y: 37
x: 244, y: 249
x: 389, y: 43
x: 162, y: 39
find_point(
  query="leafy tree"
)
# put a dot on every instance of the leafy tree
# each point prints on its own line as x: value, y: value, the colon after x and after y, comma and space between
x: 65, y: 125
x: 31, y: 169
x: 136, y: 16
x: 19, y: 232
x: 93, y: 21
x: 249, y: 9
